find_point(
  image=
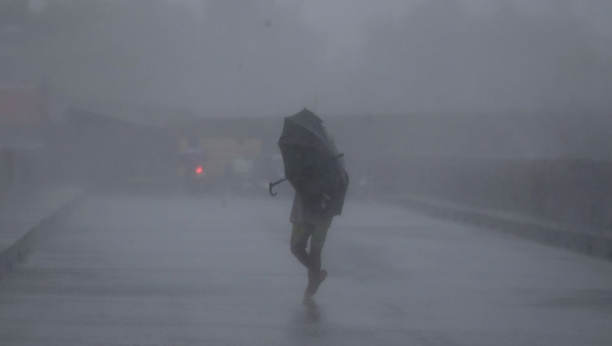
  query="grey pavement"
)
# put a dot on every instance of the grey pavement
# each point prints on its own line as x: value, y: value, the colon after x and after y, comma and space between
x: 171, y: 271
x: 576, y: 237
x: 23, y: 215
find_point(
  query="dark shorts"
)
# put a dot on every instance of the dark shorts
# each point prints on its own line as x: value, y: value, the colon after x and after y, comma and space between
x: 301, y: 233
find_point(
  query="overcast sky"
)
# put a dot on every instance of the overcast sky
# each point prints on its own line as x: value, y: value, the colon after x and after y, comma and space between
x: 337, y: 56
x: 342, y: 21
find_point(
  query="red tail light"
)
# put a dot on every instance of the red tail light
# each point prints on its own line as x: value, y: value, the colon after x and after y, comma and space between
x: 199, y: 170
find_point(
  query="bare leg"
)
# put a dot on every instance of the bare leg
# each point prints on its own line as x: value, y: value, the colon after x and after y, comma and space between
x: 299, y: 251
x: 314, y: 265
x: 299, y: 241
x: 315, y: 274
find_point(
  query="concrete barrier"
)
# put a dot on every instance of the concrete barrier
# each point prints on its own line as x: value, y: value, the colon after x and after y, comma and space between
x: 572, y: 238
x: 19, y: 244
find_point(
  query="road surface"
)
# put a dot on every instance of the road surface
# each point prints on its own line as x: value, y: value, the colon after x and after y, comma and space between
x: 134, y: 270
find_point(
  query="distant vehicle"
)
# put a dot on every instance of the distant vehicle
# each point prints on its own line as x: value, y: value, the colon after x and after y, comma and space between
x: 193, y: 169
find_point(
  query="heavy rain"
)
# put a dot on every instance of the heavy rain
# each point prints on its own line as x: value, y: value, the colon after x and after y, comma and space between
x: 296, y: 172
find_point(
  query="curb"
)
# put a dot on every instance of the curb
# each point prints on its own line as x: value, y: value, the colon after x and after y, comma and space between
x: 19, y: 251
x: 554, y: 235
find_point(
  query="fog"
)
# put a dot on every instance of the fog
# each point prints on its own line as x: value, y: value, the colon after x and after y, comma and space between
x: 151, y: 129
x: 269, y: 58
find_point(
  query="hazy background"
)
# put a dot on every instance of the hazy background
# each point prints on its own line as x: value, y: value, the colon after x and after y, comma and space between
x: 157, y: 121
x: 270, y: 58
x: 503, y: 104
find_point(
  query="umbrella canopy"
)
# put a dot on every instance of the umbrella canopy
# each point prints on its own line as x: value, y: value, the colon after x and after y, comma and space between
x: 312, y: 163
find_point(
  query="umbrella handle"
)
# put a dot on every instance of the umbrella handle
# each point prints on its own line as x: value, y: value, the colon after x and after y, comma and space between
x: 271, y: 185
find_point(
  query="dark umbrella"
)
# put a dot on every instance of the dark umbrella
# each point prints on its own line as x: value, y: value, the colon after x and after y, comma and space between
x: 312, y: 163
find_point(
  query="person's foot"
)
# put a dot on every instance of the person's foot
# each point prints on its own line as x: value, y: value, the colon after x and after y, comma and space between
x: 313, y: 283
x: 308, y: 301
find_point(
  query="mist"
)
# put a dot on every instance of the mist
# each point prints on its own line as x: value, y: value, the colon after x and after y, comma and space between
x: 268, y: 58
x: 177, y: 172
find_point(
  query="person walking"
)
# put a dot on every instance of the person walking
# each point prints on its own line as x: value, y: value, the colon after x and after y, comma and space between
x: 310, y: 222
x: 315, y: 169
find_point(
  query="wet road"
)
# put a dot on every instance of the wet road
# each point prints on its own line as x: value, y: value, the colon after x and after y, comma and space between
x: 176, y: 271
